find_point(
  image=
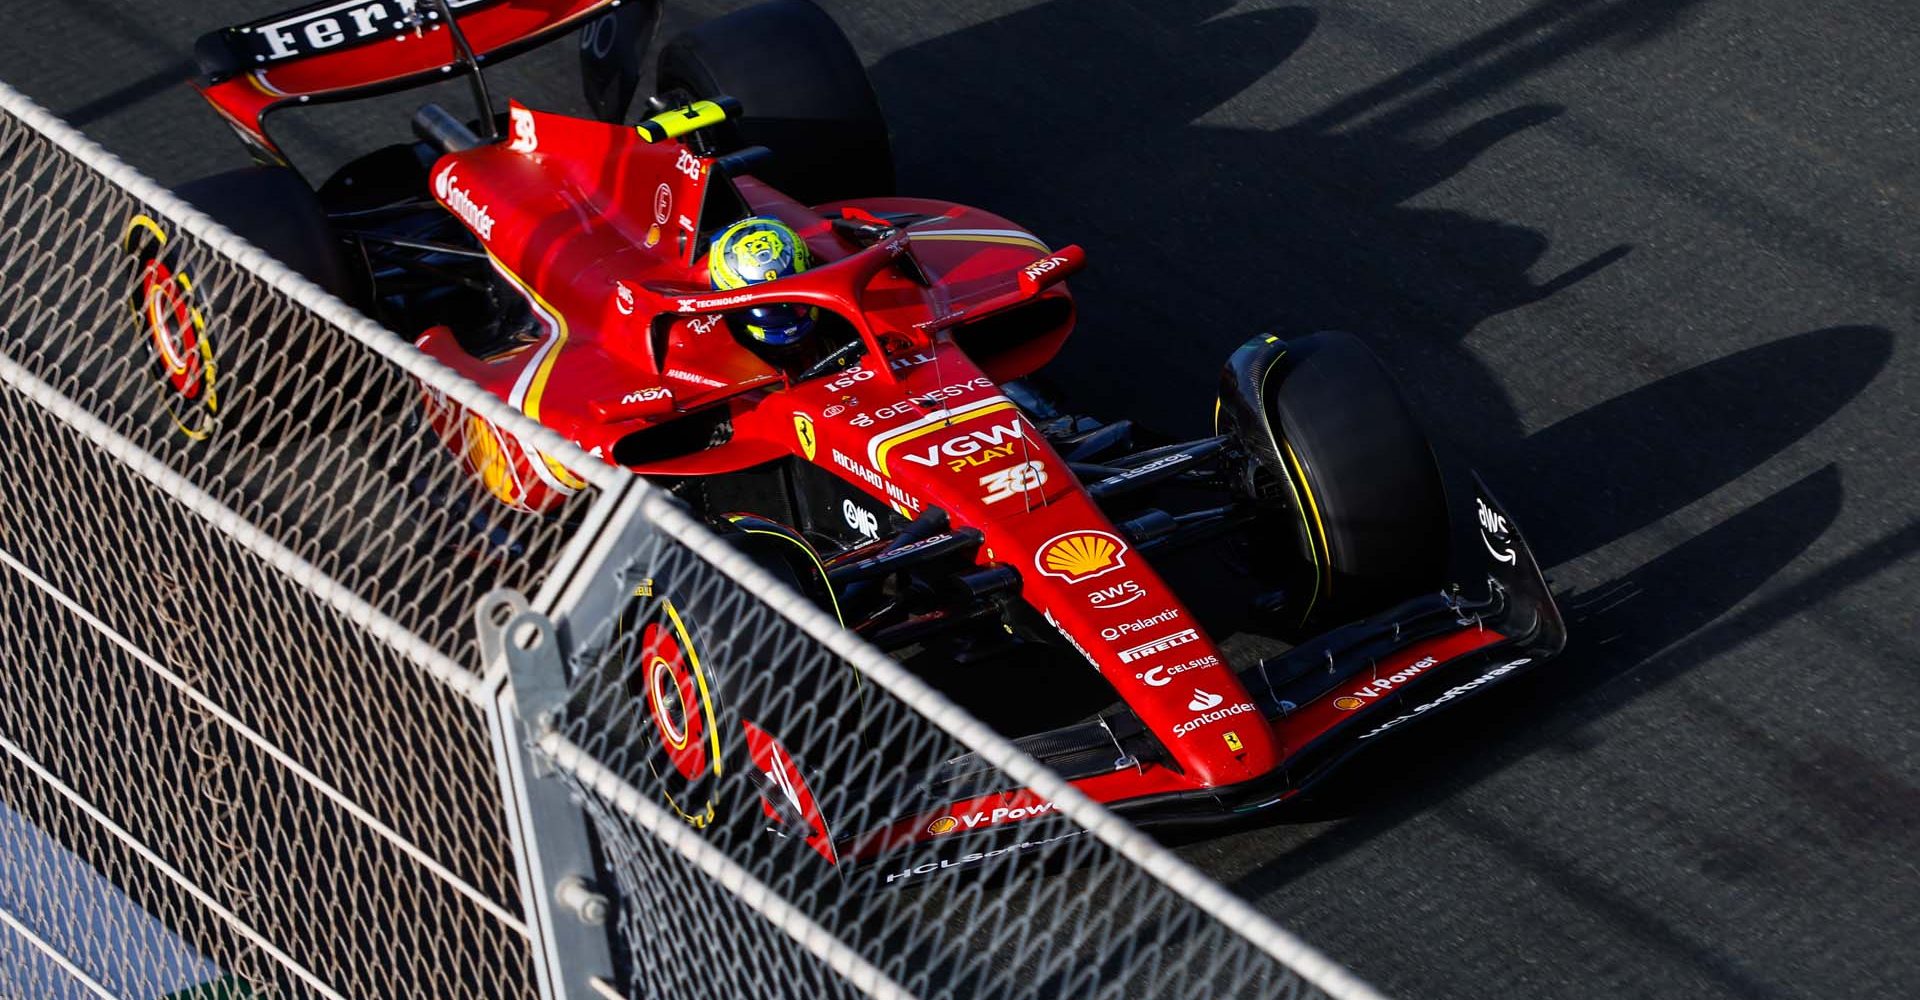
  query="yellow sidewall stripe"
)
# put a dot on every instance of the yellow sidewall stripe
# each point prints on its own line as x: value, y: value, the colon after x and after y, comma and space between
x: 1326, y: 559
x: 700, y: 677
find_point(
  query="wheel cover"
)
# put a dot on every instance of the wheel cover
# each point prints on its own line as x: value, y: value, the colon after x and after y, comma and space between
x: 674, y: 700
x: 685, y: 757
x: 178, y: 335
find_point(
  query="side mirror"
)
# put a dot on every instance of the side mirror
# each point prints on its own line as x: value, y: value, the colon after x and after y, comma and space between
x: 612, y: 48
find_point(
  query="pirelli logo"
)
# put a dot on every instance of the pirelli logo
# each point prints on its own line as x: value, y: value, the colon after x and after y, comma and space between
x: 1160, y: 645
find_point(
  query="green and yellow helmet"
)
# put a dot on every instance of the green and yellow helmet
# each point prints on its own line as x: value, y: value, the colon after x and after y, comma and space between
x: 755, y: 250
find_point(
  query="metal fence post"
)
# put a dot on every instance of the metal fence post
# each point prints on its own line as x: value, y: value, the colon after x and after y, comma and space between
x: 568, y: 911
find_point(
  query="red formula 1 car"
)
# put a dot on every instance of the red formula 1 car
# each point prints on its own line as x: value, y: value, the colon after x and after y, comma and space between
x: 898, y: 468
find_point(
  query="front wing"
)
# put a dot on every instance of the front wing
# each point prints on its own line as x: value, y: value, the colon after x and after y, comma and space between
x: 1325, y: 701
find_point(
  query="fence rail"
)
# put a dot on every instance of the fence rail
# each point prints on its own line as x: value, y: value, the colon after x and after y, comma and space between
x: 276, y: 714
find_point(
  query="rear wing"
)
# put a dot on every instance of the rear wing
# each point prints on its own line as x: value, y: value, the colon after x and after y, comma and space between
x: 336, y: 50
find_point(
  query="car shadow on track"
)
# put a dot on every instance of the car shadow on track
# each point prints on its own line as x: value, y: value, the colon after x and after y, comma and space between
x: 1200, y: 234
x: 1646, y: 630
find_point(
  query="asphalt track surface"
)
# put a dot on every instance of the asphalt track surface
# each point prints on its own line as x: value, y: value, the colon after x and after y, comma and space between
x: 1648, y: 264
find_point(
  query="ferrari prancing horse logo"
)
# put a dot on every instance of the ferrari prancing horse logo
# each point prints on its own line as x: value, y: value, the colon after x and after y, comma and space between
x: 803, y: 429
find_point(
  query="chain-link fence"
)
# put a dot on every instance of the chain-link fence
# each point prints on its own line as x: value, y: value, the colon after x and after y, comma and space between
x: 723, y: 729
x: 241, y: 673
x: 252, y: 743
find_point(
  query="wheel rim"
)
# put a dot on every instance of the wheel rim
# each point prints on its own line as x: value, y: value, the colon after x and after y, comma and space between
x: 174, y: 329
x: 674, y: 700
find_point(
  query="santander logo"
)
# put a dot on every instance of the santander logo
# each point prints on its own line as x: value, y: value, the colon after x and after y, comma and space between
x: 475, y: 215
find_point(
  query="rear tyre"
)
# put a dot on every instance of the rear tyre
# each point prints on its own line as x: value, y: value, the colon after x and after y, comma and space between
x: 1367, y: 509
x: 803, y: 94
x: 727, y: 721
x: 190, y: 309
x: 273, y: 209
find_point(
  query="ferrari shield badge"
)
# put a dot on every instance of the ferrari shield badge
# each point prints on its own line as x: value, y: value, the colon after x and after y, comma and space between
x: 803, y: 429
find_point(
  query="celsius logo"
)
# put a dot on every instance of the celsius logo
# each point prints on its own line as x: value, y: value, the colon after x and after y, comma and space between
x: 475, y: 215
x: 1203, y: 700
x: 1162, y: 676
x: 1117, y: 596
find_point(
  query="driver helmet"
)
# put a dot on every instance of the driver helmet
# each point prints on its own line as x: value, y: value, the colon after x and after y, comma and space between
x: 758, y: 249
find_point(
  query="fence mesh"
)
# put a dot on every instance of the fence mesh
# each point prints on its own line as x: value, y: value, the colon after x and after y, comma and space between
x: 243, y: 744
x: 277, y: 764
x: 942, y: 874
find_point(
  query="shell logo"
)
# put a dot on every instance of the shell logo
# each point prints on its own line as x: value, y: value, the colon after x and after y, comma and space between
x: 1081, y: 555
x: 1347, y: 703
x: 487, y: 456
x: 944, y: 824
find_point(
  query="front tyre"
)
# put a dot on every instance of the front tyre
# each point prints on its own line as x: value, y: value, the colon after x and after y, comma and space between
x: 1350, y: 473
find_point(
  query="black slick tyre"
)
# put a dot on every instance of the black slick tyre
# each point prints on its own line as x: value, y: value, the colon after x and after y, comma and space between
x: 736, y: 726
x: 200, y: 318
x: 1366, y: 508
x: 803, y: 93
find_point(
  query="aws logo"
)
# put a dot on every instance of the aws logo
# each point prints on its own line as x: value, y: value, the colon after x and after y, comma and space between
x: 1117, y: 596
